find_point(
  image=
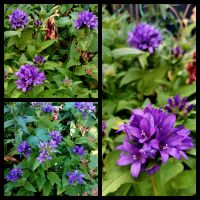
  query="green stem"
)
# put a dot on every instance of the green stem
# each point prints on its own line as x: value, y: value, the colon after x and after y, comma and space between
x: 153, y: 181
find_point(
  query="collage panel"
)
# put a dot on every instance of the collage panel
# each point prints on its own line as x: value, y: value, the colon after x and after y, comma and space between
x: 50, y: 50
x: 149, y: 100
x: 51, y: 149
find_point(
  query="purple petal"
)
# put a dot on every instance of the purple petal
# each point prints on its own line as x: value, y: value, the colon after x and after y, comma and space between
x: 125, y: 160
x: 144, y: 125
x: 133, y: 131
x: 130, y: 147
x: 154, y: 143
x: 174, y: 152
x: 177, y: 99
x: 135, y: 169
x: 138, y: 112
x: 120, y: 147
x: 164, y: 156
x: 169, y: 122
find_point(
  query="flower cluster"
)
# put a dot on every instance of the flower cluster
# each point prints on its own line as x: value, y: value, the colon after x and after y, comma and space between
x: 85, y: 107
x: 74, y: 177
x: 14, y: 174
x: 24, y: 148
x: 86, y: 18
x: 47, y: 108
x: 79, y: 150
x: 177, y: 52
x: 56, y: 136
x: 150, y: 135
x: 18, y: 19
x: 39, y: 60
x: 45, y: 149
x: 179, y: 107
x: 144, y: 37
x: 37, y: 23
x: 29, y: 76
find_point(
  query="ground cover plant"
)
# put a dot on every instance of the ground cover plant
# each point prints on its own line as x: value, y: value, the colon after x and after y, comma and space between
x: 50, y: 149
x: 50, y: 50
x: 149, y: 100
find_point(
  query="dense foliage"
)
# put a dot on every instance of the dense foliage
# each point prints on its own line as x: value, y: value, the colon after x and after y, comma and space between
x: 50, y: 149
x: 150, y: 59
x: 50, y: 50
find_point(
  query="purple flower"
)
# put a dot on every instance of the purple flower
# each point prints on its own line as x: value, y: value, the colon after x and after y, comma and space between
x: 47, y: 108
x: 29, y: 76
x: 79, y: 150
x: 177, y: 51
x: 85, y: 107
x: 153, y: 169
x: 18, y: 19
x: 56, y: 136
x: 24, y: 148
x: 151, y: 135
x: 37, y: 23
x: 179, y: 107
x: 74, y: 177
x: 45, y: 149
x: 14, y: 174
x: 39, y: 60
x: 37, y: 104
x: 86, y: 18
x: 103, y: 127
x: 144, y: 37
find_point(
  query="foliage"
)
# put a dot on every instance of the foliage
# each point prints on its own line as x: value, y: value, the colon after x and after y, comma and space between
x: 133, y: 78
x: 70, y: 53
x: 25, y: 122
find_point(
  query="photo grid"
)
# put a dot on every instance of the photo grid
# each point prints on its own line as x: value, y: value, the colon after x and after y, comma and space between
x: 99, y: 100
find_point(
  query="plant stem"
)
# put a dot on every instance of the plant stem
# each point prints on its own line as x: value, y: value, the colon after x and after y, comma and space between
x: 153, y: 181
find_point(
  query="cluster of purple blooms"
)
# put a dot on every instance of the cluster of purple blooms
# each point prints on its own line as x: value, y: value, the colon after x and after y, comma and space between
x: 79, y: 150
x: 24, y: 148
x: 179, y: 107
x: 46, y: 148
x: 151, y: 135
x: 47, y: 108
x: 37, y: 104
x: 86, y: 18
x: 39, y: 60
x: 37, y: 23
x: 177, y: 52
x: 75, y: 177
x: 145, y: 37
x: 18, y: 19
x: 29, y: 76
x: 14, y: 174
x: 85, y: 107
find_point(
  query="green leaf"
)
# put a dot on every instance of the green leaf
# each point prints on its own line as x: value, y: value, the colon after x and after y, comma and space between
x: 21, y: 123
x: 33, y: 140
x: 31, y: 50
x: 187, y: 90
x: 185, y: 179
x: 54, y: 178
x: 8, y: 123
x: 8, y: 34
x: 43, y: 45
x: 60, y: 189
x: 126, y: 51
x: 42, y: 134
x: 131, y: 75
x: 64, y: 21
x: 115, y: 177
x: 29, y: 187
x: 69, y: 142
x: 47, y: 189
x: 124, y: 104
x: 36, y: 164
x: 40, y: 183
x: 190, y: 124
x: 25, y: 38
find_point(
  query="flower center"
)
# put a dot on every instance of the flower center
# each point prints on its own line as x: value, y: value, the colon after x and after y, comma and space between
x: 164, y: 147
x: 134, y: 157
x: 143, y: 134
